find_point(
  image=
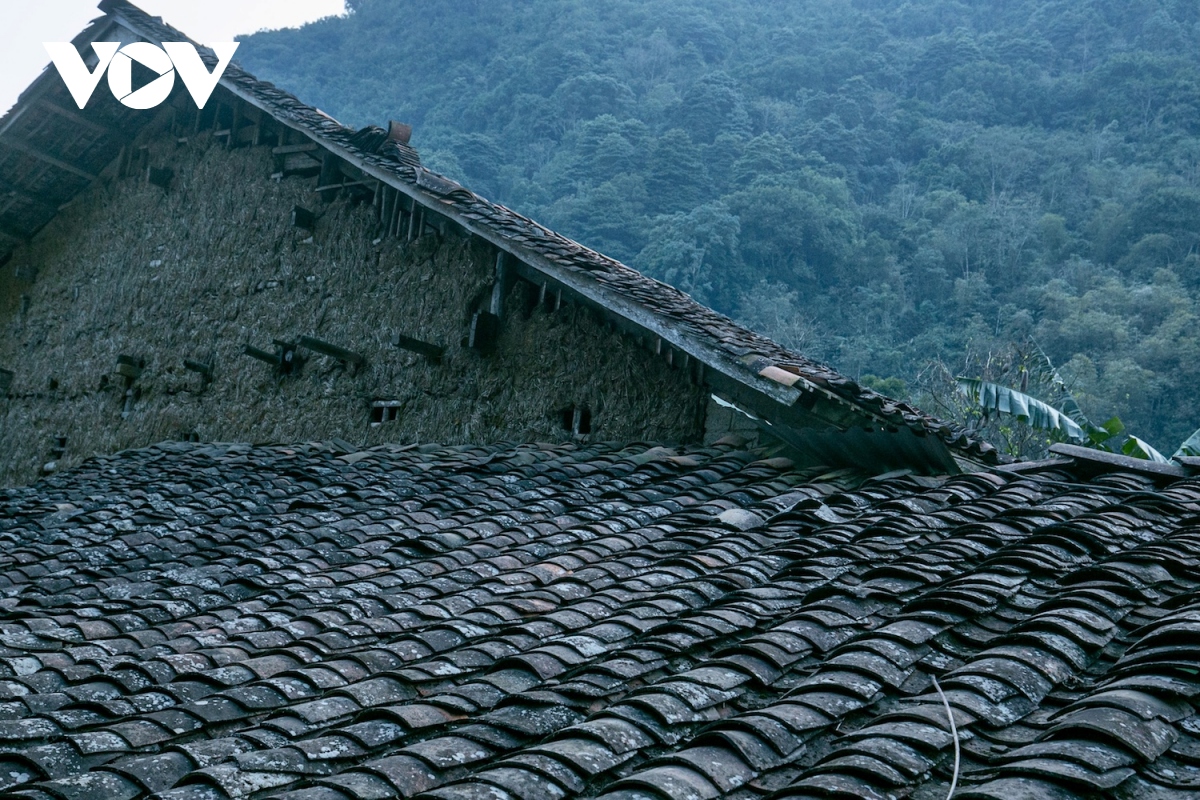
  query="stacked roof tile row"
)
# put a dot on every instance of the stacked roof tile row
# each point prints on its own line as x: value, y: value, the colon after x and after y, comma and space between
x: 196, y: 622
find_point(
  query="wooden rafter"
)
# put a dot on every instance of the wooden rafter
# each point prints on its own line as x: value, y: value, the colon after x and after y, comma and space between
x: 12, y: 190
x: 78, y: 119
x: 41, y: 155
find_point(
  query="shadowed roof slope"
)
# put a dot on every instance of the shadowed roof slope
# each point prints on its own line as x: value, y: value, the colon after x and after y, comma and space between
x: 200, y: 622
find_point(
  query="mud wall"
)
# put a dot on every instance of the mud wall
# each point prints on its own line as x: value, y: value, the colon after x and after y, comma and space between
x: 213, y: 263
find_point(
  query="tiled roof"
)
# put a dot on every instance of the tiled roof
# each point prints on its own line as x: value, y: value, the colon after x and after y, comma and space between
x: 781, y: 379
x: 203, y: 621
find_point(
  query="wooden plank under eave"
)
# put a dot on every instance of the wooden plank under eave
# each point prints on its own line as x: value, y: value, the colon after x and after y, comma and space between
x: 52, y: 160
x: 17, y: 192
x: 77, y: 119
x: 288, y: 149
x: 300, y: 164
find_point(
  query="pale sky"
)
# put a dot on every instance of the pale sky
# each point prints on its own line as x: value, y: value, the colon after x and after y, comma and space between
x: 25, y: 24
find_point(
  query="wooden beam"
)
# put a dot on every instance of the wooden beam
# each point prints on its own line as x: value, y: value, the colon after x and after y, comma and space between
x: 332, y: 350
x: 54, y: 161
x: 16, y: 191
x: 261, y: 355
x: 130, y: 366
x: 343, y: 185
x: 205, y: 370
x: 431, y: 351
x: 301, y: 164
x: 287, y: 149
x: 78, y: 119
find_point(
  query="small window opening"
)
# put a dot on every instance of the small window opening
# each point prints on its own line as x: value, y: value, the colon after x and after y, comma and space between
x: 384, y: 411
x: 577, y: 419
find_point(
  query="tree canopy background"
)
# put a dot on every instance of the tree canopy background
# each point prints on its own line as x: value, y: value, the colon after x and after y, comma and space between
x: 879, y: 184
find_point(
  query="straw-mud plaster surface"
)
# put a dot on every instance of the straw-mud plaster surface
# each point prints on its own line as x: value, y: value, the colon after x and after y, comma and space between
x: 214, y: 263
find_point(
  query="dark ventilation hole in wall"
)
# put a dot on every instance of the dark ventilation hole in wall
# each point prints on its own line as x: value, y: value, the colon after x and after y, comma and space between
x: 384, y: 411
x: 577, y: 419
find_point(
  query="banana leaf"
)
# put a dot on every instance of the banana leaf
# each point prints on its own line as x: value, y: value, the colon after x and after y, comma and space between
x: 1189, y: 448
x: 1097, y: 435
x: 1140, y: 449
x: 993, y: 397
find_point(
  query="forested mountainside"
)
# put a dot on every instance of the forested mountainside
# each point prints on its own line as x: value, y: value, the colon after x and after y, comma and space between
x: 912, y: 190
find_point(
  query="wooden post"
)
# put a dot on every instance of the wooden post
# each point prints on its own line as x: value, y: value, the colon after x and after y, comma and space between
x: 387, y: 198
x: 412, y: 220
x: 396, y: 216
x: 499, y: 286
x: 234, y: 123
x: 330, y: 172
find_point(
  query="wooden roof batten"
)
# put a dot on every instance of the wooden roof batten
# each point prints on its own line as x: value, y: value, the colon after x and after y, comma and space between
x: 781, y: 387
x: 65, y: 175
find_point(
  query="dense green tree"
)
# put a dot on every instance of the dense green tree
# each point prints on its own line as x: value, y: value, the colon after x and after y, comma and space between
x: 695, y: 251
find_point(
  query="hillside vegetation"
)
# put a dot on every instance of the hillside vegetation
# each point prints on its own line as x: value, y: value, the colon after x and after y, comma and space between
x: 910, y: 190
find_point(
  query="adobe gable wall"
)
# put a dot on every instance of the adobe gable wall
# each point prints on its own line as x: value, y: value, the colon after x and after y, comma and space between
x: 214, y: 263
